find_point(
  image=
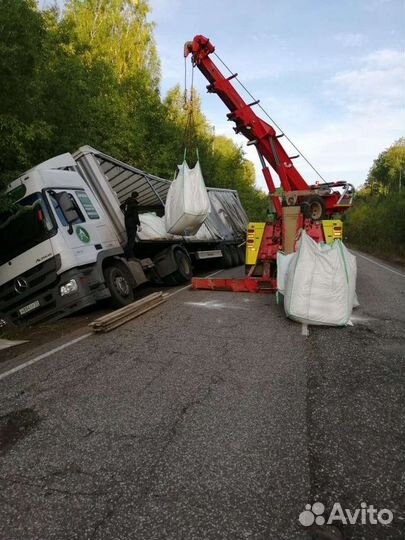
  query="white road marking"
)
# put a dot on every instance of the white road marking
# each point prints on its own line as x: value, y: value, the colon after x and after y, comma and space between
x: 359, y: 319
x: 380, y: 265
x: 72, y: 342
x: 44, y: 355
x: 188, y: 286
x: 212, y: 304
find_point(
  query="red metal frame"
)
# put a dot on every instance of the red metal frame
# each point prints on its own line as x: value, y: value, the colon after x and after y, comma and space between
x: 247, y: 284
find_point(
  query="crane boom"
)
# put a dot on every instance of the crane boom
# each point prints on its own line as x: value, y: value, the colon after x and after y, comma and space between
x: 263, y: 136
x: 256, y: 130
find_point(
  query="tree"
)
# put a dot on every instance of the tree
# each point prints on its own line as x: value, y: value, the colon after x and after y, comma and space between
x: 388, y: 171
x: 376, y: 223
x: 117, y: 32
x: 22, y: 38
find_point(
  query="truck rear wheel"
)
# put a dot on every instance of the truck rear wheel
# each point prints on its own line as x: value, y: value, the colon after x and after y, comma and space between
x: 119, y: 283
x: 227, y: 259
x: 184, y: 271
x: 235, y: 255
x: 242, y: 254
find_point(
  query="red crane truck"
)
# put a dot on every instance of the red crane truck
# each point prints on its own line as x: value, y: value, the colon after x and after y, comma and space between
x: 297, y: 205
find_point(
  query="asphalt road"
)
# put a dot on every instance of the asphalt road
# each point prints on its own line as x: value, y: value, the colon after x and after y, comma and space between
x: 40, y: 335
x: 211, y: 417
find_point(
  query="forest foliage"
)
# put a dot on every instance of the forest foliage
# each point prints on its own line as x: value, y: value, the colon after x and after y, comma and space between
x: 376, y: 223
x: 91, y: 75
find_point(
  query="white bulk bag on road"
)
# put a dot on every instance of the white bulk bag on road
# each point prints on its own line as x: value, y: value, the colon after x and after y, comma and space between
x: 283, y: 262
x: 187, y: 202
x: 320, y: 283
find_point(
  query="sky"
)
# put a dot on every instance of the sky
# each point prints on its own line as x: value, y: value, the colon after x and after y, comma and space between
x: 331, y: 73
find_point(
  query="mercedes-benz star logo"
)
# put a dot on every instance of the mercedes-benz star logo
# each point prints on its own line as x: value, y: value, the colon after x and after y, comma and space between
x: 20, y: 284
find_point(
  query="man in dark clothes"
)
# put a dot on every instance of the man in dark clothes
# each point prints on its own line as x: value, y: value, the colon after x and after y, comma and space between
x: 130, y: 209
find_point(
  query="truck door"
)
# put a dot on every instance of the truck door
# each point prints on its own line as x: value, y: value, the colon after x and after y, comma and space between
x: 82, y: 236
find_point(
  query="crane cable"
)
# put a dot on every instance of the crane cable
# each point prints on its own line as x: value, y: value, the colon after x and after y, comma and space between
x: 189, y: 131
x: 271, y: 120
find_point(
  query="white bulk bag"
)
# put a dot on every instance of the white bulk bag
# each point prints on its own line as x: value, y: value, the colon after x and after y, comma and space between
x: 283, y: 262
x: 320, y: 283
x: 203, y: 233
x: 152, y: 227
x: 187, y: 202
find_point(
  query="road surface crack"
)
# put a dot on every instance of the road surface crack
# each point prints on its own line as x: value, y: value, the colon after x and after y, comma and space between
x: 152, y: 472
x: 47, y: 489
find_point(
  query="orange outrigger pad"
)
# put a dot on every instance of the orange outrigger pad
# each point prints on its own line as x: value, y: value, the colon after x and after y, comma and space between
x: 247, y: 284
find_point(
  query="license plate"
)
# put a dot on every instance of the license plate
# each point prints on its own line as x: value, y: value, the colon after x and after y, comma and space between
x: 29, y: 307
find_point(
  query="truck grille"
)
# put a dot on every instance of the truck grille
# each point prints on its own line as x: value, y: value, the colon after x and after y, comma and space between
x: 37, y: 284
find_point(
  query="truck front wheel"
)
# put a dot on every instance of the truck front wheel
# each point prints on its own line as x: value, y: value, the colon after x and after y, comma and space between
x: 118, y: 280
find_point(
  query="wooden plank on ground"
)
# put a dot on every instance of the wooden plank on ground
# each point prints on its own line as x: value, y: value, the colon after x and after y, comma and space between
x: 124, y: 314
x: 127, y: 318
x: 129, y: 308
x: 121, y: 316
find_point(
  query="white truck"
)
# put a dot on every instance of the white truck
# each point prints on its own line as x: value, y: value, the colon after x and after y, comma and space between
x: 63, y: 249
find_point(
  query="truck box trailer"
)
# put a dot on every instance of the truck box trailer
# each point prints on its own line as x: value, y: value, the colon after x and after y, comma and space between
x: 64, y: 248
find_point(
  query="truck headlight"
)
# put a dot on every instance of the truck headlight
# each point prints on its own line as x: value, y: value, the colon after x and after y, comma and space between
x: 68, y: 288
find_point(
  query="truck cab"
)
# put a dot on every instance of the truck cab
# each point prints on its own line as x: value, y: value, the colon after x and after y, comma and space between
x: 53, y: 247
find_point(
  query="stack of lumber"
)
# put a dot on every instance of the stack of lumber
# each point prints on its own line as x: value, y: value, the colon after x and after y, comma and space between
x: 125, y: 314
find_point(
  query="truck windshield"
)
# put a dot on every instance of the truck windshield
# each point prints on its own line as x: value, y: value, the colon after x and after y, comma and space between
x: 25, y: 228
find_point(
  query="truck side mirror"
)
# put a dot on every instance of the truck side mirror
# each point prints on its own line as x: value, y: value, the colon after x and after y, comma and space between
x: 68, y: 209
